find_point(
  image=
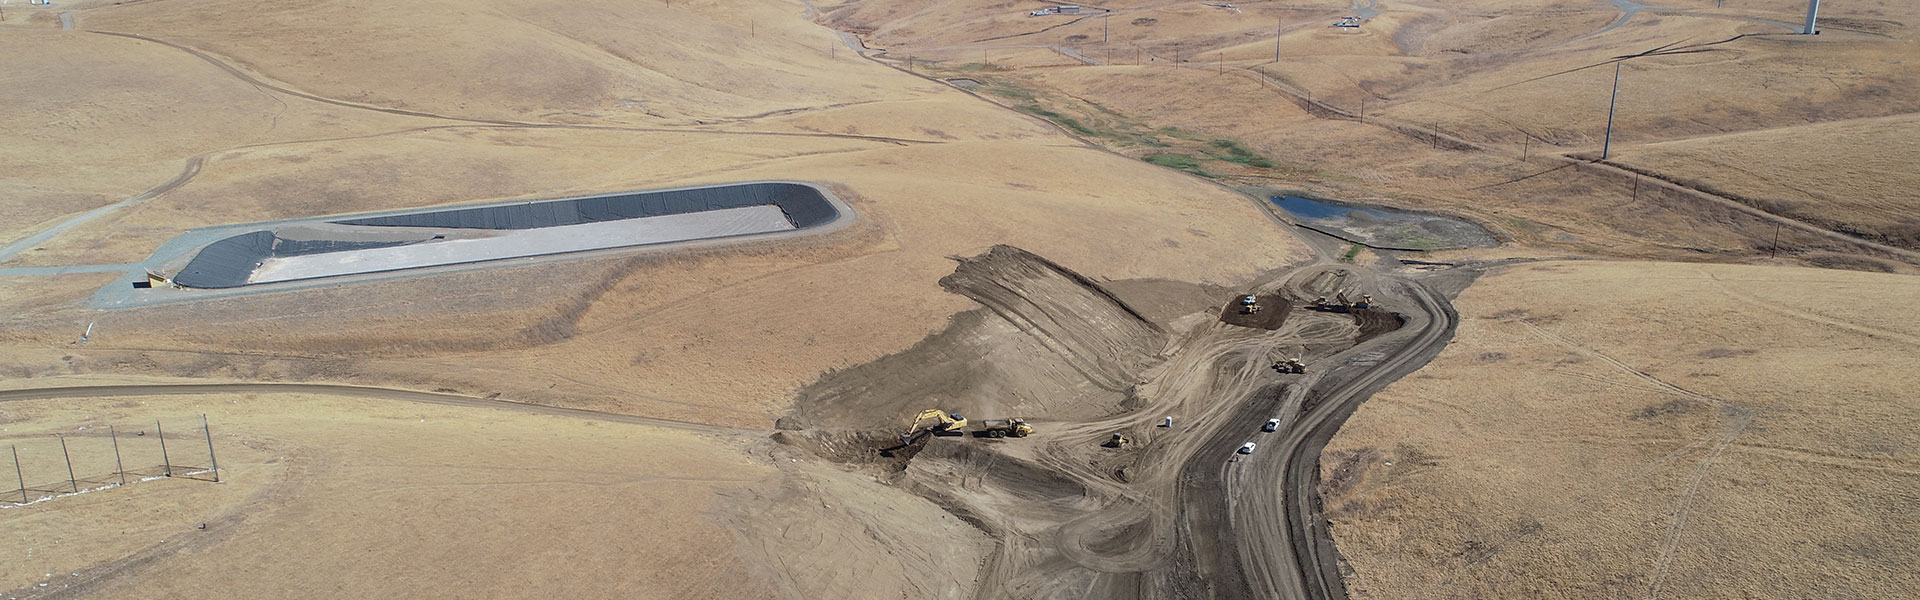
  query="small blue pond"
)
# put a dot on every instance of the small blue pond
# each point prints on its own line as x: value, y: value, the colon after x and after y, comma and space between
x: 1384, y: 227
x: 1307, y: 208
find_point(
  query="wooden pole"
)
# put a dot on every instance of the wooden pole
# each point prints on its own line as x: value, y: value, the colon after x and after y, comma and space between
x: 1606, y: 144
x: 71, y: 480
x: 1773, y: 253
x: 1636, y: 187
x: 20, y: 474
x: 164, y: 461
x: 119, y: 467
x: 216, y: 461
x: 1525, y: 144
x: 1363, y: 108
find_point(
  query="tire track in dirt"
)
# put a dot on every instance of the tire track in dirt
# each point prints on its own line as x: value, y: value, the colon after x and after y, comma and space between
x: 354, y: 391
x: 250, y: 79
x: 1734, y: 420
x: 1781, y: 309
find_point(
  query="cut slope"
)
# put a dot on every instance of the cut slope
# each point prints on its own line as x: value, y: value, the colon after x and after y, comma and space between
x: 1050, y: 343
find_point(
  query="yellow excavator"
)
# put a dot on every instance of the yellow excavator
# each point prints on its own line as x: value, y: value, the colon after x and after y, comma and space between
x: 936, y: 422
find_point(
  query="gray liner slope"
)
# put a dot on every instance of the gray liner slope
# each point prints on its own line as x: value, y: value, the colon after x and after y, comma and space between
x: 230, y: 262
x: 803, y: 205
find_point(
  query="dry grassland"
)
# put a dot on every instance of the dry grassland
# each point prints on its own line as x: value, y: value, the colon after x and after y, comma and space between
x: 1498, y: 75
x: 1604, y: 430
x: 722, y: 334
x: 1830, y: 173
x: 365, y: 498
x: 380, y: 498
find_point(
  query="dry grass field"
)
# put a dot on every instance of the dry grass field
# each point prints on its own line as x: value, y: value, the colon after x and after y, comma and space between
x: 1484, y: 83
x: 1606, y: 430
x: 1830, y: 173
x: 366, y: 497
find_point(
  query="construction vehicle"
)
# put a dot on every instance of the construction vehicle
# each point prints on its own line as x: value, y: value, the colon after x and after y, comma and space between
x: 1249, y: 304
x: 1292, y: 365
x: 1341, y: 304
x: 935, y: 422
x: 1119, y: 441
x: 999, y: 428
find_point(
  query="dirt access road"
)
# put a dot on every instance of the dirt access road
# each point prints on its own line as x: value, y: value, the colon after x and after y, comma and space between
x: 1251, y: 526
x: 1178, y: 514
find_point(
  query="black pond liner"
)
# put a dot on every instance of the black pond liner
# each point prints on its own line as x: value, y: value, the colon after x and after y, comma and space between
x: 229, y: 262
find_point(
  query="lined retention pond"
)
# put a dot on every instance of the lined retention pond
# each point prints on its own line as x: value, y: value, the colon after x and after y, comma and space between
x: 1382, y: 227
x: 400, y: 240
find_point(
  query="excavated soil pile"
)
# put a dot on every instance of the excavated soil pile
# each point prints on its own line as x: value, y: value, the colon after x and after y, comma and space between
x: 1273, y: 312
x: 1375, y: 323
x: 1049, y: 343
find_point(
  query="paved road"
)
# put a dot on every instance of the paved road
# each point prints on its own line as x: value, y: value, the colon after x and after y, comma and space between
x: 354, y: 391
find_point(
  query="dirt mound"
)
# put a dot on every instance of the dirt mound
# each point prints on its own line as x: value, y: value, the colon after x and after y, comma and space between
x: 1049, y: 343
x: 1273, y: 312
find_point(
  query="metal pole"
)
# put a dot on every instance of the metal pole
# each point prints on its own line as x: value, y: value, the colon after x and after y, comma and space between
x: 216, y: 461
x: 1606, y: 146
x: 20, y: 474
x: 1813, y: 14
x: 71, y: 480
x: 164, y: 461
x: 1277, y: 25
x: 119, y: 467
x: 1104, y: 29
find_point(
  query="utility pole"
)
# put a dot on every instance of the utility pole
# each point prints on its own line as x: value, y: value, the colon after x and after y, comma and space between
x: 1606, y: 146
x: 119, y: 467
x: 165, y: 462
x: 1773, y: 252
x: 71, y: 480
x: 1278, y: 23
x: 1526, y: 143
x: 216, y: 461
x: 20, y: 474
x: 1813, y: 13
x: 1363, y: 108
x: 1104, y: 29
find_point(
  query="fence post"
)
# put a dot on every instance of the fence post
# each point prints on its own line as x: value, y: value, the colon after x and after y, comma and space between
x: 19, y: 474
x: 63, y: 452
x: 216, y: 461
x: 118, y: 466
x: 162, y: 434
